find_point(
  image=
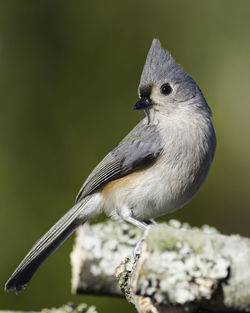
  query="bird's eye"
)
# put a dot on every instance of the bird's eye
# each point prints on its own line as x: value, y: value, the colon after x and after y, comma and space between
x: 166, y: 89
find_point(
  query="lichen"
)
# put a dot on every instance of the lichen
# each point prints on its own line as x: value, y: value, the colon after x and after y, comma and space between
x: 157, y: 241
x: 177, y: 270
x: 71, y: 308
x: 179, y: 264
x: 123, y: 275
x: 179, y: 276
x: 108, y: 243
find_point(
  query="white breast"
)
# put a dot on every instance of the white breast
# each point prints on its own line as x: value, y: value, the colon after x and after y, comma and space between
x: 173, y: 179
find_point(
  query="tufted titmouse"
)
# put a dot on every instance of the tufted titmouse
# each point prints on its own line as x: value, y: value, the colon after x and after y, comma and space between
x: 157, y: 168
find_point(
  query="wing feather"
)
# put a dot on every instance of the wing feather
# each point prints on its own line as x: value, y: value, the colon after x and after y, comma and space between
x: 138, y: 149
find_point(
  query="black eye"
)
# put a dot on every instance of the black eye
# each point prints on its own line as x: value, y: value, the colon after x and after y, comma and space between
x: 166, y: 89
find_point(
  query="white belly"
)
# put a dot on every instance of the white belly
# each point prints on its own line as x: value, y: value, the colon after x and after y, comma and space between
x: 155, y: 190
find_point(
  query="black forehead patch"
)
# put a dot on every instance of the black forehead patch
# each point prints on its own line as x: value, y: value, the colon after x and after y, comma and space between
x: 145, y: 91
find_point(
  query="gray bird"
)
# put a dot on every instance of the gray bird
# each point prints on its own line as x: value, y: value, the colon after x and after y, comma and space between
x: 157, y: 168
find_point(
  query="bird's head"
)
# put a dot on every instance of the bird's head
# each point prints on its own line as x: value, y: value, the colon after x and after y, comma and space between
x: 164, y: 86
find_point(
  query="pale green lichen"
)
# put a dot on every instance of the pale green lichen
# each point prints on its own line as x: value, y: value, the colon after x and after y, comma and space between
x: 179, y: 276
x: 99, y: 249
x: 157, y: 241
x: 166, y: 236
x: 179, y: 265
x: 72, y: 308
x: 177, y: 270
x: 109, y: 243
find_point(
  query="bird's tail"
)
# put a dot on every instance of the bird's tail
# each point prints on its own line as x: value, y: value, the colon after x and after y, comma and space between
x: 45, y: 246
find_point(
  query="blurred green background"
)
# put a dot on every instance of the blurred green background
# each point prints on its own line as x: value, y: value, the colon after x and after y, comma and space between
x: 69, y: 72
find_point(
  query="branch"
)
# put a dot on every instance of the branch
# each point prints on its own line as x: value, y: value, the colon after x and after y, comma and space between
x: 98, y: 250
x: 67, y: 308
x: 180, y: 269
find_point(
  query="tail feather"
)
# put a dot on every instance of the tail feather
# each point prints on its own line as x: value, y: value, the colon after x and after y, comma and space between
x: 44, y: 247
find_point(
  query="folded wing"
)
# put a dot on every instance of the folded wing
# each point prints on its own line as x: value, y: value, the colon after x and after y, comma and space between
x: 138, y: 149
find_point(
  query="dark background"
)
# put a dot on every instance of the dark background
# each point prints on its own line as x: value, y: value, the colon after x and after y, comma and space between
x: 69, y: 72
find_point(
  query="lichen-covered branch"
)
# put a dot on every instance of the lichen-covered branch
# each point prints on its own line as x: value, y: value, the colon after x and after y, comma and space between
x: 98, y: 250
x: 67, y: 308
x: 180, y: 268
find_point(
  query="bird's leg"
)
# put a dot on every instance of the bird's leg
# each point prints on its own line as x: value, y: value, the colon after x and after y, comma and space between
x: 135, y: 222
x: 138, y: 247
x: 143, y: 226
x: 150, y: 222
x: 125, y: 214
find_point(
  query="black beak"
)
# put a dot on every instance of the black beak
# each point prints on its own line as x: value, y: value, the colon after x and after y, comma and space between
x: 143, y: 103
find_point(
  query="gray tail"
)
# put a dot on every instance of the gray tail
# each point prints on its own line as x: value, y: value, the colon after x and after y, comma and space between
x: 44, y: 247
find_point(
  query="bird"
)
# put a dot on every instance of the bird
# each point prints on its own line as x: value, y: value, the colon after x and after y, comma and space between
x: 156, y: 169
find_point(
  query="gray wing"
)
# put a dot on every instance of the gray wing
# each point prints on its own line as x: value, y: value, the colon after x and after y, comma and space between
x: 138, y: 149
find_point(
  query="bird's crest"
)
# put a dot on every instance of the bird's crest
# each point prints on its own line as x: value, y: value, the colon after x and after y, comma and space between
x: 159, y: 64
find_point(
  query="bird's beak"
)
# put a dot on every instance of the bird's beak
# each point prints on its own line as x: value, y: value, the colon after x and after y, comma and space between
x: 143, y: 103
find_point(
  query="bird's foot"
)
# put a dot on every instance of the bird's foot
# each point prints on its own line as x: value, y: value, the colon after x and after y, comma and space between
x: 138, y: 248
